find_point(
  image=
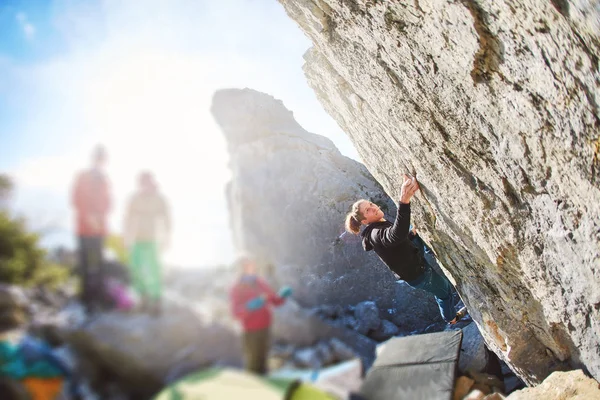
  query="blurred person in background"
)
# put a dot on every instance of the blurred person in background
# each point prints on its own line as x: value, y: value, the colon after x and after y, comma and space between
x: 147, y: 230
x: 91, y: 201
x: 251, y: 299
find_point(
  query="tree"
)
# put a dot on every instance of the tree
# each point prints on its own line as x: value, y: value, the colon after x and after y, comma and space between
x: 20, y: 255
x: 6, y: 185
x: 6, y: 188
x: 22, y: 260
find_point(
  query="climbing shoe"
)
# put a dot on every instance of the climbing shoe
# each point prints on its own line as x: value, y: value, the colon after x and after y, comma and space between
x: 459, y: 315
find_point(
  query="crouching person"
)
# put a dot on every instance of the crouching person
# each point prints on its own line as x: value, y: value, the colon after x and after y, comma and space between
x: 251, y: 300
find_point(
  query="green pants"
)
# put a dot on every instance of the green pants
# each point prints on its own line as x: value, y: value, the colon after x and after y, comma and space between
x: 256, y: 349
x: 146, y: 270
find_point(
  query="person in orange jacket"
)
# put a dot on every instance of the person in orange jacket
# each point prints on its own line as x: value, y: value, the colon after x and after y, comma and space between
x: 251, y: 299
x: 91, y: 201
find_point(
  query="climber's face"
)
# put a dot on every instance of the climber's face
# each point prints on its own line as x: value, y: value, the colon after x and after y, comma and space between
x: 370, y: 212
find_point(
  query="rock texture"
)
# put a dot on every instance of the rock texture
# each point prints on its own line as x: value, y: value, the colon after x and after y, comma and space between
x: 288, y: 197
x: 572, y: 385
x: 141, y: 352
x: 493, y: 105
x: 473, y: 356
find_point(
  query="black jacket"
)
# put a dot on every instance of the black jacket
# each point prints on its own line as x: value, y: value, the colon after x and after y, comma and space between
x: 392, y: 244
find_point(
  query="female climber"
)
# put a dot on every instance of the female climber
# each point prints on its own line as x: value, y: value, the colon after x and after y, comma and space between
x: 401, y: 249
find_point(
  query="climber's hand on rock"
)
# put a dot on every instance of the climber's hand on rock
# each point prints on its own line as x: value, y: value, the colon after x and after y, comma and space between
x: 409, y: 188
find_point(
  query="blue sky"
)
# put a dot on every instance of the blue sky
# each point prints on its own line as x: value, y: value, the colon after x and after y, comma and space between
x: 138, y: 76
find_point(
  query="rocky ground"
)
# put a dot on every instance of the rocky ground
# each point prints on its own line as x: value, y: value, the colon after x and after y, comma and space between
x: 120, y: 355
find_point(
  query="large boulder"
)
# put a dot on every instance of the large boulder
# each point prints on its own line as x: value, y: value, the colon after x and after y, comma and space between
x: 493, y: 105
x: 140, y: 352
x: 415, y: 310
x: 288, y: 197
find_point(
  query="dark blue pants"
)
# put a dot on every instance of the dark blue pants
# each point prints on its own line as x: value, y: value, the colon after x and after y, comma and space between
x: 435, y: 283
x: 91, y: 269
x: 440, y: 287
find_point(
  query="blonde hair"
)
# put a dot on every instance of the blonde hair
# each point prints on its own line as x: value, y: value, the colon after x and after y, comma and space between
x: 354, y: 218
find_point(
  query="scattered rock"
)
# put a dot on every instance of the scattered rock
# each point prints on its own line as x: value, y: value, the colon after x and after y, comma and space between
x: 480, y: 387
x: 349, y: 322
x: 49, y: 333
x: 462, y: 387
x: 308, y: 358
x: 12, y: 297
x: 282, y: 351
x: 385, y: 331
x: 494, y: 396
x: 573, y: 385
x: 367, y: 317
x: 486, y: 383
x: 342, y: 351
x: 329, y: 311
x: 298, y: 326
x: 475, y: 395
x: 326, y: 353
x: 13, y: 307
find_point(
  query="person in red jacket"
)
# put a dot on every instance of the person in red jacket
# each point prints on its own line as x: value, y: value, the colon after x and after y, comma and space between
x: 251, y: 299
x: 91, y: 201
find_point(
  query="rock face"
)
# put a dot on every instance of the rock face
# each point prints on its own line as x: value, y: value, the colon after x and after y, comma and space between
x: 288, y: 198
x: 494, y: 106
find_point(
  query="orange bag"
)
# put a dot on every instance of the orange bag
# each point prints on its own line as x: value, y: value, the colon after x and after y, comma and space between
x: 43, y: 388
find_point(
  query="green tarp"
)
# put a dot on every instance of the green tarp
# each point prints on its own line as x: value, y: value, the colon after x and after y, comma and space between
x: 226, y: 384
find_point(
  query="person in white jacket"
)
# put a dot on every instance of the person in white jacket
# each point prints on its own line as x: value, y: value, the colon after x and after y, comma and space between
x: 147, y: 230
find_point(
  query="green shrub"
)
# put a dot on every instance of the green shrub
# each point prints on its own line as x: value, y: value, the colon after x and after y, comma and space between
x: 50, y: 275
x: 22, y: 261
